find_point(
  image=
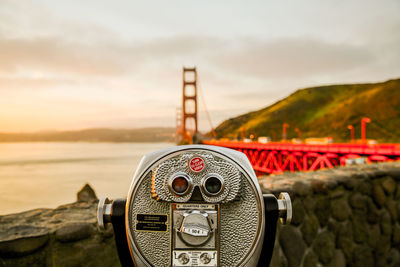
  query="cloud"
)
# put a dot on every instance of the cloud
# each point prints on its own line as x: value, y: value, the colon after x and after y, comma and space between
x: 24, y: 83
x: 294, y: 57
x: 55, y: 56
x: 242, y: 74
x: 252, y: 58
x: 101, y: 71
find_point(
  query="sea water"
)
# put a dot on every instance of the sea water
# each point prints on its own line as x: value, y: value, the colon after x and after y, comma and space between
x: 46, y: 175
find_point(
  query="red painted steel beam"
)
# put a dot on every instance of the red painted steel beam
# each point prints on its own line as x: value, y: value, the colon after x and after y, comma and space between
x: 280, y: 157
x: 363, y: 149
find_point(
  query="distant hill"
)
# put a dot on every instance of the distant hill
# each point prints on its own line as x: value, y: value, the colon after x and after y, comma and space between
x: 326, y: 111
x: 156, y: 134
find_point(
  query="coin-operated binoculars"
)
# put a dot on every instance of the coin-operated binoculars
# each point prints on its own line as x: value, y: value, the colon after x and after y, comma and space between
x: 195, y: 206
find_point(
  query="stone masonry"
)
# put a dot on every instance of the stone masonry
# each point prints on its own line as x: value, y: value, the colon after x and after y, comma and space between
x: 65, y: 236
x: 346, y: 216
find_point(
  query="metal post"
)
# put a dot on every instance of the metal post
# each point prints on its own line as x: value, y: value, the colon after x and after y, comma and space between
x: 285, y: 125
x: 351, y: 128
x: 298, y: 133
x: 363, y: 130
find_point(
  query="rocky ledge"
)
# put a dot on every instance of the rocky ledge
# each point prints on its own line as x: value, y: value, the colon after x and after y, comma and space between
x: 65, y: 236
x: 305, y: 183
x: 346, y: 216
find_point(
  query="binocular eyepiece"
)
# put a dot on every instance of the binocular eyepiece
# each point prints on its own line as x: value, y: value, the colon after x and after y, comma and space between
x: 195, y: 206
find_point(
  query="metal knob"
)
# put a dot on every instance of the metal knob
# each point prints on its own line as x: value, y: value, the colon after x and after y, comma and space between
x: 285, y: 208
x: 103, y: 213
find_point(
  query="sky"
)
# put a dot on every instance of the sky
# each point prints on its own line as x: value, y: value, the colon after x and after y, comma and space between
x: 68, y: 65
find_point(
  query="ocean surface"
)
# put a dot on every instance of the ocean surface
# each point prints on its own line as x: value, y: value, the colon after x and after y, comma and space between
x: 46, y: 175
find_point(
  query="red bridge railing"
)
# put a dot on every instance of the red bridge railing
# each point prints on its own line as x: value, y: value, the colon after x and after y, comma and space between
x: 280, y: 157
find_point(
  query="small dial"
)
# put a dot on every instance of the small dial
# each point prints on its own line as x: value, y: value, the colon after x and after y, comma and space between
x: 205, y: 258
x: 183, y: 258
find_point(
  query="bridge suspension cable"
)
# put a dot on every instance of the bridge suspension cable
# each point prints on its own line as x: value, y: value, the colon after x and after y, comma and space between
x: 205, y: 108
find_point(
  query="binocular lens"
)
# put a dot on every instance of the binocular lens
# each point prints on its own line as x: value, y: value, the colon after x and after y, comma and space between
x: 213, y: 185
x: 180, y: 185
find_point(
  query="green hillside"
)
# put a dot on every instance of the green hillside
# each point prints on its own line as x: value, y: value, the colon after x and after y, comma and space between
x: 326, y: 111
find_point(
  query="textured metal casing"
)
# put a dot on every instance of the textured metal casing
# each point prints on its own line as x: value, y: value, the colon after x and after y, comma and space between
x: 233, y: 214
x: 180, y: 165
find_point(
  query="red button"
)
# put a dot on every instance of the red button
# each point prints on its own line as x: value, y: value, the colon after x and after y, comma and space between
x: 196, y: 164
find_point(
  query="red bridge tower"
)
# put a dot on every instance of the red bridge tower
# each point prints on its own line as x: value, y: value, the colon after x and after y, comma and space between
x: 189, y: 104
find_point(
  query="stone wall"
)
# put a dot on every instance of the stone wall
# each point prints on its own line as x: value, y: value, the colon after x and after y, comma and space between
x: 342, y: 216
x: 346, y: 216
x: 65, y: 236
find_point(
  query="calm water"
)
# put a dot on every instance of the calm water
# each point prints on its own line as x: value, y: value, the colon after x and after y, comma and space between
x: 46, y: 175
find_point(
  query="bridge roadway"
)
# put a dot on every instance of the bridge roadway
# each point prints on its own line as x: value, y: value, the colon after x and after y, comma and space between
x: 280, y: 157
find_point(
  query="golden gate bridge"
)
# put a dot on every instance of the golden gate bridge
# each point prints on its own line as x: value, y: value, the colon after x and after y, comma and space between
x: 278, y: 157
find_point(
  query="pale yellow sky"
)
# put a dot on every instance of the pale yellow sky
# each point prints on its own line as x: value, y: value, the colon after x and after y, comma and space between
x: 81, y: 64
